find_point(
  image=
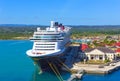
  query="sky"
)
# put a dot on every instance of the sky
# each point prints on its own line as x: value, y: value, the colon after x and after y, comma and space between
x: 69, y: 12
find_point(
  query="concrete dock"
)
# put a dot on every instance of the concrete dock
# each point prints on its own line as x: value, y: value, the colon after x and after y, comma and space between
x: 75, y: 67
x: 90, y: 68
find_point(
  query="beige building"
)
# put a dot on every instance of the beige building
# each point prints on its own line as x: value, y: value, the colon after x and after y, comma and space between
x: 101, y: 53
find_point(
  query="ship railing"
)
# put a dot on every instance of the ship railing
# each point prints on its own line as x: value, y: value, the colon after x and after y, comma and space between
x: 46, y: 32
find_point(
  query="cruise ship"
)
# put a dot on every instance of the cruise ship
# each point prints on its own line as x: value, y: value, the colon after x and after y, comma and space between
x: 49, y: 44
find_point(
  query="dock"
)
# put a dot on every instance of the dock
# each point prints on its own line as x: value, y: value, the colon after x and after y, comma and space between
x: 79, y: 69
x: 90, y: 68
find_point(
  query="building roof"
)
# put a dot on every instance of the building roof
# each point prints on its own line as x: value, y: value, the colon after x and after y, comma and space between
x: 103, y: 49
x: 118, y: 50
x: 117, y: 44
x: 83, y: 47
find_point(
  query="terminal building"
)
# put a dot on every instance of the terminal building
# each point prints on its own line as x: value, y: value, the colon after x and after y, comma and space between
x: 101, y: 53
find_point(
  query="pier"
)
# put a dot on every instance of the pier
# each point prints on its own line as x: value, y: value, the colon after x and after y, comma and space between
x: 90, y: 68
x: 77, y: 69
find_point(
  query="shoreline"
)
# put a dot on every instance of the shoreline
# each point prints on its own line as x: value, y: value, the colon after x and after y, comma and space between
x: 95, y: 69
x: 12, y: 39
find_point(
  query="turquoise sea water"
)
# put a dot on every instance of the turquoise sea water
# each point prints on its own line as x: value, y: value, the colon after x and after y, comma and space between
x: 115, y: 76
x: 16, y: 66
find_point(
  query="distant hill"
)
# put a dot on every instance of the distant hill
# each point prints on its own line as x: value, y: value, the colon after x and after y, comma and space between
x: 30, y: 25
x: 20, y: 25
x: 13, y: 31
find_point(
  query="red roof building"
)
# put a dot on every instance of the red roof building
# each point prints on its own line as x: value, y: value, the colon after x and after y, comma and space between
x: 118, y: 50
x: 117, y: 44
x: 83, y: 47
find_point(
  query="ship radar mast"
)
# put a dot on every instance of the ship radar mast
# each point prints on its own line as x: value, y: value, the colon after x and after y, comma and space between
x: 52, y: 24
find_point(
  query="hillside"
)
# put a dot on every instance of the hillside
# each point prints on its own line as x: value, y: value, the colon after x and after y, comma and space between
x: 25, y: 31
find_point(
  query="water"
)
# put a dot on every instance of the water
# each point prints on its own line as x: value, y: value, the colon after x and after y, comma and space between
x: 115, y: 76
x: 16, y: 66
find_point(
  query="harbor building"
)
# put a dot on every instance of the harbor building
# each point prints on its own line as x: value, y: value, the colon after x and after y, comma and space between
x: 101, y: 53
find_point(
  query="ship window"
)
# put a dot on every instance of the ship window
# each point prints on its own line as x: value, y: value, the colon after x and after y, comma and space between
x: 36, y: 40
x: 45, y: 44
x: 47, y: 34
x: 48, y: 39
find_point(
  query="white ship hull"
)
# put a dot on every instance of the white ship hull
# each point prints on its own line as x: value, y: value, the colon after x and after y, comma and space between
x: 43, y: 60
x: 47, y: 54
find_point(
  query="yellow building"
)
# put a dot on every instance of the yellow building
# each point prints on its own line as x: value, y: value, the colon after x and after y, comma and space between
x: 101, y: 53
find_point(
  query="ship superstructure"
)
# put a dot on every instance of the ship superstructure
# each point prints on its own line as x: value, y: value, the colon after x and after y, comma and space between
x: 51, y: 41
x: 49, y: 45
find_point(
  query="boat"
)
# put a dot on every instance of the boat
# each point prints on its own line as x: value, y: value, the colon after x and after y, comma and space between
x: 49, y: 44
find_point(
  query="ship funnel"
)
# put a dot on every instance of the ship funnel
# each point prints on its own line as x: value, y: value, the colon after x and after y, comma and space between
x: 53, y: 24
x: 56, y: 23
x: 60, y: 24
